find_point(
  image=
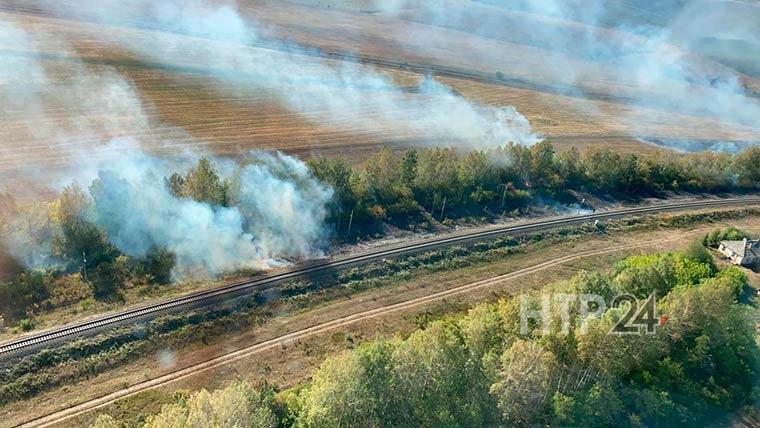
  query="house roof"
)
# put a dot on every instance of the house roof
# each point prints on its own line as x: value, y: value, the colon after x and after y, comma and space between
x: 744, y: 248
x: 753, y: 249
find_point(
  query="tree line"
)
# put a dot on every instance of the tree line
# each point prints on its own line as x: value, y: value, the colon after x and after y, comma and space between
x: 483, y: 370
x: 417, y: 187
x: 443, y: 183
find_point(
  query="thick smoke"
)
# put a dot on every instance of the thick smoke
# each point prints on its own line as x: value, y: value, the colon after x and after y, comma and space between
x: 94, y: 125
x: 284, y: 206
x: 336, y: 93
x: 280, y: 215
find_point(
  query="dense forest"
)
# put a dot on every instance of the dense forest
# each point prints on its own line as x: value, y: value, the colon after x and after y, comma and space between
x: 482, y: 370
x: 411, y: 189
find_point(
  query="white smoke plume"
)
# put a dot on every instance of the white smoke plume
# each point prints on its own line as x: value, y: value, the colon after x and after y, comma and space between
x: 280, y: 215
x: 335, y: 93
x: 99, y: 137
x: 284, y: 206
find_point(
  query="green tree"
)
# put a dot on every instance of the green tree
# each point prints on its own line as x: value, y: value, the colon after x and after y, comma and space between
x: 713, y: 341
x: 604, y: 169
x: 159, y: 263
x: 478, y: 179
x: 570, y: 168
x: 8, y: 211
x: 106, y: 280
x: 748, y: 168
x: 483, y: 331
x: 352, y: 389
x: 642, y: 275
x: 237, y: 405
x: 105, y: 421
x: 437, y: 177
x: 520, y: 160
x: 409, y: 168
x: 597, y: 406
x: 525, y: 384
x: 201, y: 183
x: 19, y: 295
x: 80, y: 239
x: 614, y: 355
x: 434, y: 365
x: 176, y: 185
x: 544, y: 170
x: 381, y: 190
x: 338, y: 174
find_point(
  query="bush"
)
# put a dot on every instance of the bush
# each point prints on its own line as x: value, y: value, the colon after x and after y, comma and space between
x: 159, y: 264
x: 26, y: 324
x: 106, y: 280
x: 18, y: 296
x: 713, y: 238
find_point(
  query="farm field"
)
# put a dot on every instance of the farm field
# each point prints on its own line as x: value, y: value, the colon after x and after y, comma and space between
x: 181, y: 104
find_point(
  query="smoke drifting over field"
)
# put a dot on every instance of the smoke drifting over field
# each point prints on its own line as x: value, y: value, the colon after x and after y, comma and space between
x: 280, y: 208
x: 97, y: 106
x: 644, y: 51
x: 332, y: 93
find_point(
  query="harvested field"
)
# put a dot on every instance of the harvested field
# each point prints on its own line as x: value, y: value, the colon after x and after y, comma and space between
x: 181, y: 102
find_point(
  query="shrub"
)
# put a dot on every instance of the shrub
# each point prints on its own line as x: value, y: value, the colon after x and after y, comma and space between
x: 26, y: 324
x: 713, y: 238
x: 18, y: 296
x: 106, y: 280
x: 159, y: 264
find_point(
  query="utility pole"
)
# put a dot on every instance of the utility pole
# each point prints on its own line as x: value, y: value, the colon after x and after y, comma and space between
x: 337, y: 228
x: 443, y: 207
x: 350, y: 221
x: 84, y: 266
x: 504, y: 195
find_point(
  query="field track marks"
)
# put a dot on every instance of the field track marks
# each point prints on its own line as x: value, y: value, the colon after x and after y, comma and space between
x: 77, y: 410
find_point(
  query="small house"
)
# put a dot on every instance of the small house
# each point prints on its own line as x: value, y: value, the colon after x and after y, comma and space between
x: 742, y: 253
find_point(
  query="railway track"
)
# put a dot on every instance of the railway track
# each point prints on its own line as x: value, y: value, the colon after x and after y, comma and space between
x: 231, y: 291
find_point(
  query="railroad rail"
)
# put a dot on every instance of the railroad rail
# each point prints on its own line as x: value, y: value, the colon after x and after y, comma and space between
x: 231, y: 291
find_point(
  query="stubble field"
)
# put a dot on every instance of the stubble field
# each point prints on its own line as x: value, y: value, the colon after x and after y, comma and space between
x: 182, y: 104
